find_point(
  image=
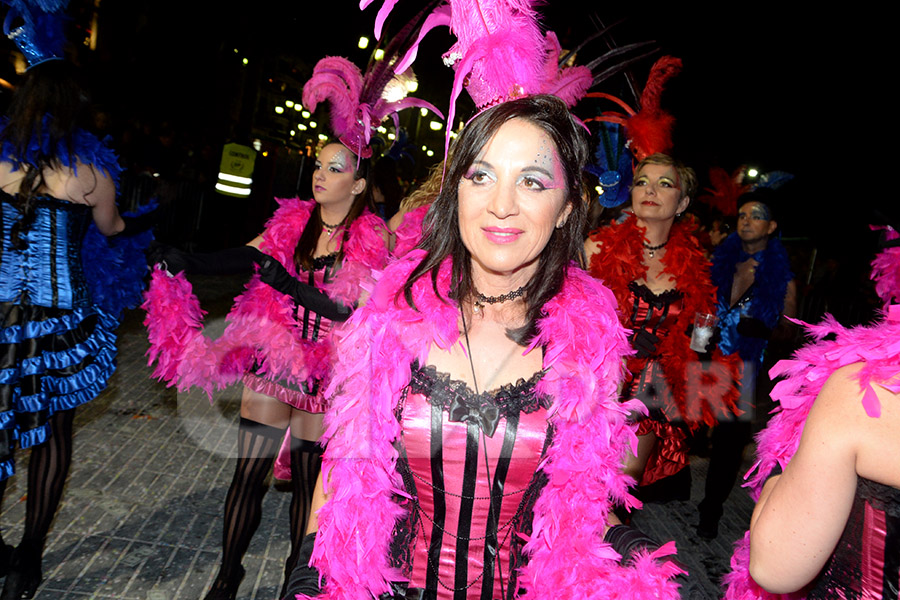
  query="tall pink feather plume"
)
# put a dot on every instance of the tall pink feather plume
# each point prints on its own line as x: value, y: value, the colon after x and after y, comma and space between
x: 569, y: 84
x: 584, y: 344
x: 339, y: 81
x: 383, y: 13
x: 440, y: 16
x: 502, y: 65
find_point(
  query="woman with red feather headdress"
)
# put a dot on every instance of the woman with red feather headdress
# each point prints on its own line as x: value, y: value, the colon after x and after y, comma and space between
x: 660, y: 278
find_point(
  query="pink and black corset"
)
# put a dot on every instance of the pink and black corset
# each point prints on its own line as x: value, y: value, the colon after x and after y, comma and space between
x: 470, y: 466
x: 866, y: 561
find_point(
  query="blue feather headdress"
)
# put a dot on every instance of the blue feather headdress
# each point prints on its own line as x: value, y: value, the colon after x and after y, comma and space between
x: 36, y: 27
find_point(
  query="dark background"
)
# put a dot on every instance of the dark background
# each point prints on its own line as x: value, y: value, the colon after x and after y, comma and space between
x: 773, y: 86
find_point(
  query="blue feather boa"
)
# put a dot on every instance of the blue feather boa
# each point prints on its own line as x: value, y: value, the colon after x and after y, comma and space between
x: 770, y: 285
x: 86, y: 149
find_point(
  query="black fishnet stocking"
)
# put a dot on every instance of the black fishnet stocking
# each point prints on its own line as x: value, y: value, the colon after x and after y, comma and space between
x: 257, y: 447
x: 306, y: 460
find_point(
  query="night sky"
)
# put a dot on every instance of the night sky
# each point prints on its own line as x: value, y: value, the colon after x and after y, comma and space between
x: 758, y: 87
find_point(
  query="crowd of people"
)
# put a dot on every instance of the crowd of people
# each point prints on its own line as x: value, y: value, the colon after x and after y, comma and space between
x: 472, y: 398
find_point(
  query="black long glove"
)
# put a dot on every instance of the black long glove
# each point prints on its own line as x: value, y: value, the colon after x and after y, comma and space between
x: 231, y: 261
x: 644, y: 342
x: 135, y: 224
x: 304, y: 579
x: 273, y: 273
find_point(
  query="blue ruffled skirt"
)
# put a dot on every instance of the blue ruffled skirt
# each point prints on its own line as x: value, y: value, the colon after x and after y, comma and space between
x: 51, y: 359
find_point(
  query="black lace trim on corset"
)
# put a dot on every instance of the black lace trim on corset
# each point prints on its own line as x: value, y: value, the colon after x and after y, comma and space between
x: 312, y: 322
x: 324, y: 262
x: 656, y: 300
x: 510, y: 399
x: 880, y: 496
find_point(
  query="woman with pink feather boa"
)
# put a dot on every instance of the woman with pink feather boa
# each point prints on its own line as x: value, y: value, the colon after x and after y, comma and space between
x: 474, y: 439
x: 313, y: 258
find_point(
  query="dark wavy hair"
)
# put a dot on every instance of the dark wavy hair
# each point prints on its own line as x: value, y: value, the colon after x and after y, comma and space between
x: 309, y: 239
x: 442, y: 237
x: 50, y: 103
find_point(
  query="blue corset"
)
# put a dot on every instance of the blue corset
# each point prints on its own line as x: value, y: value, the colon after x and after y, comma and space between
x: 47, y: 271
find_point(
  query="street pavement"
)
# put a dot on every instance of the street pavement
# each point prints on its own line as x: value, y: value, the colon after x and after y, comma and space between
x: 141, y: 517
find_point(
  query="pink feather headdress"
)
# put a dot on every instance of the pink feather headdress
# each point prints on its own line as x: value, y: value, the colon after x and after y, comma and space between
x: 500, y: 53
x: 360, y: 102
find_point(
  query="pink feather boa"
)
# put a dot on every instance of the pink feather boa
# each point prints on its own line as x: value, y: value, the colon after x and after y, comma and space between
x: 261, y: 326
x: 877, y: 347
x: 584, y: 345
x: 409, y: 233
x: 886, y: 269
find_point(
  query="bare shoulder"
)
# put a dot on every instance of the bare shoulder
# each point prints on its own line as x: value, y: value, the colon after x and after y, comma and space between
x: 866, y: 419
x: 837, y: 411
x: 9, y: 178
x: 92, y: 186
x: 396, y: 220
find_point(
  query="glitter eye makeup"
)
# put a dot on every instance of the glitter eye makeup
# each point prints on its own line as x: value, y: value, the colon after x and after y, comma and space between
x: 667, y: 182
x: 340, y: 161
x: 479, y: 172
x: 760, y: 212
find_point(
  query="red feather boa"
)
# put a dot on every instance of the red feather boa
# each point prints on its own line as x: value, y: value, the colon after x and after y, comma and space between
x: 583, y: 344
x: 261, y: 328
x: 700, y: 392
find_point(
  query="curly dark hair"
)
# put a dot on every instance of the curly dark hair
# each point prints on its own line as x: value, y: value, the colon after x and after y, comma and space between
x: 441, y: 228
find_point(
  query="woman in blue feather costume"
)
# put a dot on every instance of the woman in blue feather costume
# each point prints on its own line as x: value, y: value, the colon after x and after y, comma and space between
x: 57, y: 345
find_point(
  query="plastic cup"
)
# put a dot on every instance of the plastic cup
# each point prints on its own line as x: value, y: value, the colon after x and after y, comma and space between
x: 704, y: 326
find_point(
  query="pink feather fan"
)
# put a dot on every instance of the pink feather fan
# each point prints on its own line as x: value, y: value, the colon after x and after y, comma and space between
x: 361, y: 101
